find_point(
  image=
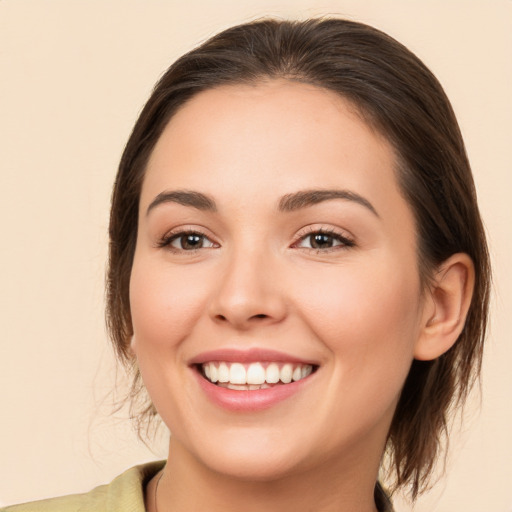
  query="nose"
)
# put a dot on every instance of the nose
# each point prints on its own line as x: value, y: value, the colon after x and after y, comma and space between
x: 249, y: 292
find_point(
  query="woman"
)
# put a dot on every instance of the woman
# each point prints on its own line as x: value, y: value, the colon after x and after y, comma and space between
x: 298, y: 273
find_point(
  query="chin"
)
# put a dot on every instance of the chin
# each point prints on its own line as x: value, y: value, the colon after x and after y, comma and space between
x: 254, y: 469
x: 247, y: 459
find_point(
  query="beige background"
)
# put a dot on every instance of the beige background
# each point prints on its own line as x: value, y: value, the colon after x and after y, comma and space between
x: 73, y: 76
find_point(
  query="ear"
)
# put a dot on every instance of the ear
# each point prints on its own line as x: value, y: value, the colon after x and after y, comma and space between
x: 446, y: 307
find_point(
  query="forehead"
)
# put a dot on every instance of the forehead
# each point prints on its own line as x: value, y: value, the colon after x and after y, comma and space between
x: 269, y: 137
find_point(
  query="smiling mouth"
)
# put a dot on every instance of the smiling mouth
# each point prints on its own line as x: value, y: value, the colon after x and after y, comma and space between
x: 254, y: 376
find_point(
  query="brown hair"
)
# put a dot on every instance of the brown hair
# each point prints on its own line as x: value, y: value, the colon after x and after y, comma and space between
x: 399, y: 96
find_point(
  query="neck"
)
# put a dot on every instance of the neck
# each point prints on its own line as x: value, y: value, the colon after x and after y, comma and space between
x: 187, y: 485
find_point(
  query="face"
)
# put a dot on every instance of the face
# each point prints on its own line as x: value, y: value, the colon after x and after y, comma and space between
x: 276, y: 255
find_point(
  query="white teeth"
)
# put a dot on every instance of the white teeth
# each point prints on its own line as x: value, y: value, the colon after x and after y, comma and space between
x: 214, y: 373
x: 254, y: 375
x: 237, y: 374
x: 306, y: 370
x: 286, y: 373
x: 223, y: 373
x: 272, y: 374
x: 243, y: 387
x: 258, y: 386
x: 238, y: 387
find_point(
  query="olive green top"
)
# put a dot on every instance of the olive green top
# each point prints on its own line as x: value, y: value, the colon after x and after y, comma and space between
x: 126, y: 494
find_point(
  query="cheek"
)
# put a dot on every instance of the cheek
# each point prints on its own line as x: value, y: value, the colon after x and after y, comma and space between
x: 368, y: 319
x: 165, y: 308
x: 164, y: 304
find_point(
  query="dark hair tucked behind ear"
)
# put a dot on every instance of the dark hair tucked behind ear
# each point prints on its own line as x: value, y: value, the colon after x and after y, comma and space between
x: 396, y: 94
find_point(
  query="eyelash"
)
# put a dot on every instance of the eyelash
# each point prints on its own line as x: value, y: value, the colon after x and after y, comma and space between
x: 167, y: 240
x: 345, y: 242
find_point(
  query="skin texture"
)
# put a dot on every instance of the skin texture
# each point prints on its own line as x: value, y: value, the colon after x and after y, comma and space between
x: 358, y: 310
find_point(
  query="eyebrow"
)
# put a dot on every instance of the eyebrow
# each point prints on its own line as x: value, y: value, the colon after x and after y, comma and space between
x: 186, y: 198
x: 288, y: 203
x: 305, y: 198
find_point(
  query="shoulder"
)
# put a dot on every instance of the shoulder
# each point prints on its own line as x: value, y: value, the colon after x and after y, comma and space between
x: 70, y: 503
x: 124, y: 494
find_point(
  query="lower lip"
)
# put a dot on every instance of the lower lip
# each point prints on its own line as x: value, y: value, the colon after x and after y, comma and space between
x: 249, y: 401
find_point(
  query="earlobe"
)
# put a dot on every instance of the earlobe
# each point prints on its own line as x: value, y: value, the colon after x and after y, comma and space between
x: 448, y: 304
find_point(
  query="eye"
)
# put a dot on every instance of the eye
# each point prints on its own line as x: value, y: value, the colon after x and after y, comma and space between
x: 322, y: 240
x: 187, y: 241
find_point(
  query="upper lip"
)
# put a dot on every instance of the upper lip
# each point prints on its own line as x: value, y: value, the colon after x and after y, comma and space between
x: 252, y: 355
